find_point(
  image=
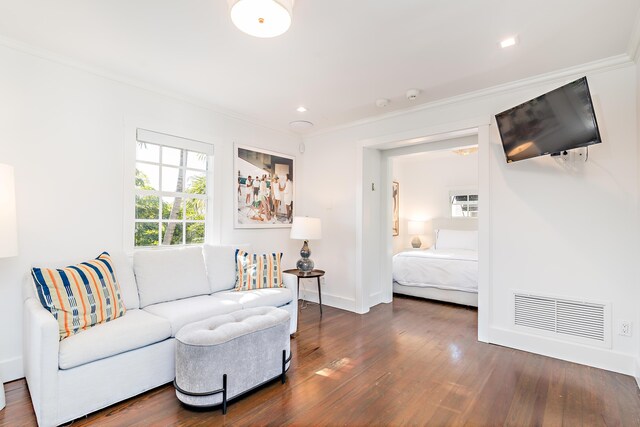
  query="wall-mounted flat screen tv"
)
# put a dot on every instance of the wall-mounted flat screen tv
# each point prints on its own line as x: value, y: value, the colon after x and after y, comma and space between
x: 560, y: 120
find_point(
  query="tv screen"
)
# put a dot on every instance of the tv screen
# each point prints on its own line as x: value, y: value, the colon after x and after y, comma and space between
x: 559, y: 120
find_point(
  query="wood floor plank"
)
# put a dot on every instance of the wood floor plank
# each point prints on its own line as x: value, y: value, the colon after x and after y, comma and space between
x: 413, y: 362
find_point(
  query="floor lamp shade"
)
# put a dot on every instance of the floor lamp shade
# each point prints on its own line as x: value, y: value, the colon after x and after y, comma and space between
x: 8, y: 228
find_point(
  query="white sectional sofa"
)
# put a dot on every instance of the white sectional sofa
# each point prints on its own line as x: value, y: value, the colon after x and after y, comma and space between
x: 163, y: 291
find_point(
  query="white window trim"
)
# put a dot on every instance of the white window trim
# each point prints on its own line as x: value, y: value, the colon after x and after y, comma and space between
x: 130, y: 191
x: 463, y: 192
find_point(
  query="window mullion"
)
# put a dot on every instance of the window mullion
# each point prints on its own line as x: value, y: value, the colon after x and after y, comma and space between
x: 183, y: 196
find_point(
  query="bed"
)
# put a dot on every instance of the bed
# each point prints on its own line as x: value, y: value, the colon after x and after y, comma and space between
x: 447, y: 272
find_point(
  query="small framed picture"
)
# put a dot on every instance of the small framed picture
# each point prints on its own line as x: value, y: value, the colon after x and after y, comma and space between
x: 396, y: 207
x: 265, y: 188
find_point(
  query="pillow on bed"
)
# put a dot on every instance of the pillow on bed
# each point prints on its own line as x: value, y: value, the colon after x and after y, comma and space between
x: 456, y: 239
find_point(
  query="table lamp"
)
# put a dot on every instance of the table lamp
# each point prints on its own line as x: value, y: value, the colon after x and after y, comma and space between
x: 416, y: 229
x: 305, y: 228
x: 8, y: 229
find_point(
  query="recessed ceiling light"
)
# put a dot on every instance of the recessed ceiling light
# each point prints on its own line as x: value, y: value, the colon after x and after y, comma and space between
x: 508, y: 42
x: 301, y: 109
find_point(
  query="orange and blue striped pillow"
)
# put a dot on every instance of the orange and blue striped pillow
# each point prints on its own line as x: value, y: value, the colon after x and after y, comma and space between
x: 80, y: 296
x: 255, y: 271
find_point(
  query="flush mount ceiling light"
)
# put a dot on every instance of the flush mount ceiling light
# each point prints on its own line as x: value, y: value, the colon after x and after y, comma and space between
x: 508, y: 42
x: 261, y: 18
x: 300, y: 125
x: 466, y: 151
x: 301, y: 109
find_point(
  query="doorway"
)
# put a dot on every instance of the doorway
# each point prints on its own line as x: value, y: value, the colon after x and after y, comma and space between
x: 374, y: 241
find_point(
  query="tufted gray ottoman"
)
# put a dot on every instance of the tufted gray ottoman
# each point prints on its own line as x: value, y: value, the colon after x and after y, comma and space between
x: 224, y: 356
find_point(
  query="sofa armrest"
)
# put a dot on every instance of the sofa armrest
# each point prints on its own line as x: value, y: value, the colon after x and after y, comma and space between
x: 41, y: 343
x: 291, y: 282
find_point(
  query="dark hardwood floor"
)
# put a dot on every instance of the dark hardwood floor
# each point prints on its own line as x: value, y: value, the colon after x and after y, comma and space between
x: 413, y: 362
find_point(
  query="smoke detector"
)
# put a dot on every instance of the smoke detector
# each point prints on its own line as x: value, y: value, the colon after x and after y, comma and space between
x: 412, y: 94
x: 382, y: 102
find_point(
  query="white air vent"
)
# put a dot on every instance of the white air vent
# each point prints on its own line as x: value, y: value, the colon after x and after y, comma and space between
x: 582, y: 321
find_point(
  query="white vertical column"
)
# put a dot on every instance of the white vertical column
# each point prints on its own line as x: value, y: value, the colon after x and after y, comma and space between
x: 8, y: 228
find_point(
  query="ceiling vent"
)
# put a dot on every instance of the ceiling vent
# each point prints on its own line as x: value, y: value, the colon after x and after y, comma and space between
x: 563, y: 318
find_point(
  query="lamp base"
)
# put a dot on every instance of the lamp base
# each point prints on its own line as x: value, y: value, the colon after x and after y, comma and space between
x: 305, y: 264
x: 416, y: 243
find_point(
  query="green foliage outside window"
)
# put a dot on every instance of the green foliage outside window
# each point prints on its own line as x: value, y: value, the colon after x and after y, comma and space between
x: 172, y: 214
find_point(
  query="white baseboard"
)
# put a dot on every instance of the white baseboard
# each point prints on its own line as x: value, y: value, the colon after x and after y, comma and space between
x: 637, y: 375
x: 377, y: 298
x: 572, y: 352
x: 11, y: 369
x: 328, y: 299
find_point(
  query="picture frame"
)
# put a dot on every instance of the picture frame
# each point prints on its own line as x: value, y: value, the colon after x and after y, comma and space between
x: 258, y: 203
x: 395, y: 194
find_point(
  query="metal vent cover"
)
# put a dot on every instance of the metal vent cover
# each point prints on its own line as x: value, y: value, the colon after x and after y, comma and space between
x: 577, y: 320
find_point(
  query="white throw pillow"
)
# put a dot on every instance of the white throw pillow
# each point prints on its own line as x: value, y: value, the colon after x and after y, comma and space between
x: 456, y: 239
x: 126, y: 279
x: 170, y: 274
x: 220, y: 261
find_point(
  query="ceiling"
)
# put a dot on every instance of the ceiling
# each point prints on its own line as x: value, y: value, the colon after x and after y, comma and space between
x: 338, y: 57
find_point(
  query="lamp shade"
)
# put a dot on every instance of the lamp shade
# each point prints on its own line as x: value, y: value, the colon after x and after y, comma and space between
x: 415, y: 227
x: 8, y: 228
x: 305, y: 228
x: 261, y: 18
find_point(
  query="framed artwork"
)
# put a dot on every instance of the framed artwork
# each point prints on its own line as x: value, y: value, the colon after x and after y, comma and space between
x: 396, y: 207
x: 264, y: 188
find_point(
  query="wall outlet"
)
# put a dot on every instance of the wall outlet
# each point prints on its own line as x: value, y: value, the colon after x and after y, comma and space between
x: 624, y: 328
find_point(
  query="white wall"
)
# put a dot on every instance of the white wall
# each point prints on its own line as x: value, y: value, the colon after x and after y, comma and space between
x: 637, y: 326
x: 65, y: 131
x: 425, y: 182
x: 568, y: 231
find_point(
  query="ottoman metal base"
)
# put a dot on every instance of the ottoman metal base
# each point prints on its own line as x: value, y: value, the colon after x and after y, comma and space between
x: 223, y: 390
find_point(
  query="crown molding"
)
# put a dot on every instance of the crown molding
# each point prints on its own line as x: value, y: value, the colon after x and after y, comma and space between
x: 633, y: 48
x: 606, y: 64
x: 137, y: 83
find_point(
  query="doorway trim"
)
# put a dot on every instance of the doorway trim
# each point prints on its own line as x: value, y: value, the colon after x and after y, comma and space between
x: 476, y: 126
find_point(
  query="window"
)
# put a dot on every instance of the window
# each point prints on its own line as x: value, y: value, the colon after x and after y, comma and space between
x: 171, y: 190
x: 464, y: 204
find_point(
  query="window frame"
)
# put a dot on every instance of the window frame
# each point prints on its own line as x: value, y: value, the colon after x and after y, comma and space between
x: 132, y: 192
x: 468, y: 203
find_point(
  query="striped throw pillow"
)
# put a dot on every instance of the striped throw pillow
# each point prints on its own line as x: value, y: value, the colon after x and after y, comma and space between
x: 80, y: 296
x: 255, y: 271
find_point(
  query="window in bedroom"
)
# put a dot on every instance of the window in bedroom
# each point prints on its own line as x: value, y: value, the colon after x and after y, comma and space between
x: 464, y: 204
x: 172, y: 191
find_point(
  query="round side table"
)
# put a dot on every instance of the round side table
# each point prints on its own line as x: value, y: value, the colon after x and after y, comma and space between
x: 317, y: 274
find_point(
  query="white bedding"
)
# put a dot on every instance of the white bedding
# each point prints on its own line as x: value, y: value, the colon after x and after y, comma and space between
x: 453, y: 269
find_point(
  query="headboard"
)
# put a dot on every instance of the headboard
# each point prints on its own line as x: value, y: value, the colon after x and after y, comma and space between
x: 449, y: 224
x: 455, y: 223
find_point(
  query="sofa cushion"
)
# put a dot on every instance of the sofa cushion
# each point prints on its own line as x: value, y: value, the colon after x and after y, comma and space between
x: 80, y: 296
x: 220, y: 261
x: 274, y: 297
x: 126, y: 279
x: 170, y: 274
x: 183, y: 311
x: 255, y: 271
x: 136, y: 329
